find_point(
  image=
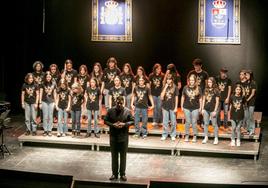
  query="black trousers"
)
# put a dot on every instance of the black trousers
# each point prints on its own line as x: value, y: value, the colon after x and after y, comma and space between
x: 119, y: 148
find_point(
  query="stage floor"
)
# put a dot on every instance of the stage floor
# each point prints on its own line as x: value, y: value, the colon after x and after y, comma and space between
x: 88, y: 165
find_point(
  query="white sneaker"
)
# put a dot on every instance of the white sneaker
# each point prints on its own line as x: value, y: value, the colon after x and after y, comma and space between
x: 233, y: 143
x: 205, y: 140
x: 186, y: 139
x: 58, y: 134
x: 216, y: 141
x: 154, y: 124
x: 63, y: 135
x: 173, y: 138
x: 238, y: 143
x: 163, y: 138
x: 194, y: 139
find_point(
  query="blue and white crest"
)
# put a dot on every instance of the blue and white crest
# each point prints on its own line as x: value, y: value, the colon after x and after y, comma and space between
x: 219, y: 13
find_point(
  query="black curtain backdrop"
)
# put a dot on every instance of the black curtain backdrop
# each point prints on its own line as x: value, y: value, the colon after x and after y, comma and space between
x: 163, y: 32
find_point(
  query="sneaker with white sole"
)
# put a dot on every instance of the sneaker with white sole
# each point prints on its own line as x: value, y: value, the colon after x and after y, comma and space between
x: 58, y: 134
x: 163, y: 138
x: 238, y: 143
x: 232, y: 143
x: 194, y: 140
x: 186, y: 139
x: 173, y: 138
x: 205, y: 140
x: 216, y: 141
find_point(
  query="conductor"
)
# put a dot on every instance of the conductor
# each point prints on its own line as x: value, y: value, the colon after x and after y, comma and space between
x: 119, y: 119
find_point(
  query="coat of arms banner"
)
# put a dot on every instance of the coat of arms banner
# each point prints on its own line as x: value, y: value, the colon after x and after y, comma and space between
x: 112, y: 20
x: 219, y: 21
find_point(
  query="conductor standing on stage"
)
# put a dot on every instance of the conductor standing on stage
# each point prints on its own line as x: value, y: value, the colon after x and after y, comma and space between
x: 119, y: 119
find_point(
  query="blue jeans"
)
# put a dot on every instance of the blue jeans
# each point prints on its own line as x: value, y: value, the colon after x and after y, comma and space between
x: 246, y: 116
x: 207, y: 116
x: 47, y: 109
x: 30, y: 117
x: 191, y: 117
x: 169, y: 114
x: 250, y: 119
x: 236, y: 125
x: 157, y: 111
x: 106, y: 98
x: 89, y: 116
x: 225, y: 108
x: 62, y: 123
x: 144, y: 115
x: 128, y: 101
x: 76, y: 125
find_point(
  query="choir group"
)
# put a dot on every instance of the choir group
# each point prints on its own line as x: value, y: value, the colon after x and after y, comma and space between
x: 80, y: 94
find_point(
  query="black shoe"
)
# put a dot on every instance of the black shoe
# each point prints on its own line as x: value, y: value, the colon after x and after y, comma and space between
x: 97, y: 135
x: 34, y: 133
x: 27, y: 133
x: 73, y: 133
x: 88, y: 135
x: 113, y: 177
x: 123, y: 178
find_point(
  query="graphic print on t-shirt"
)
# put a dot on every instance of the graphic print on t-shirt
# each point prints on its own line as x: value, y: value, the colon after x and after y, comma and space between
x: 111, y: 76
x: 62, y: 96
x: 69, y: 77
x: 192, y: 93
x: 30, y: 92
x: 115, y: 95
x: 126, y: 82
x: 237, y: 104
x: 74, y: 100
x: 140, y: 95
x: 169, y: 93
x: 221, y: 86
x: 209, y: 97
x: 156, y: 82
x: 92, y: 97
x: 48, y: 90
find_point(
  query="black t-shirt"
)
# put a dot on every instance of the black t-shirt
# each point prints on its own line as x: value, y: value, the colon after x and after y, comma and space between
x: 30, y: 92
x: 108, y: 77
x: 76, y: 101
x: 63, y: 95
x: 237, y: 110
x: 116, y: 92
x: 210, y: 99
x: 93, y: 98
x: 191, y: 97
x: 171, y: 93
x: 142, y: 96
x: 69, y: 76
x: 127, y: 81
x: 83, y: 80
x: 114, y: 115
x: 223, y: 85
x: 249, y: 86
x: 38, y: 78
x: 156, y: 83
x: 48, y: 92
x: 201, y: 78
x: 55, y: 79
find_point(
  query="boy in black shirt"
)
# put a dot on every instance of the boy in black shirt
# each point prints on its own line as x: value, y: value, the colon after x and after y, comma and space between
x: 225, y: 88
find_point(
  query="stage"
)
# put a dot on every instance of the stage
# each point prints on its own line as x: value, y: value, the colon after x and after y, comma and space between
x: 150, y: 161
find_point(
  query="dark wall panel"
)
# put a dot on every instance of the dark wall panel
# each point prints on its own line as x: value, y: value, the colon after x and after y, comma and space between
x: 163, y: 31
